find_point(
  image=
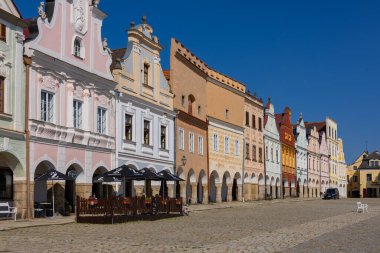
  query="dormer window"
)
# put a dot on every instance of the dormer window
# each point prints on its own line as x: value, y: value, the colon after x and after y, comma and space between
x: 191, y: 100
x: 78, y: 50
x: 146, y: 73
x: 3, y: 33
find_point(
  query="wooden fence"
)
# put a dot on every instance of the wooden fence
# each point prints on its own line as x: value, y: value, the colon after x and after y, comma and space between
x: 121, y: 209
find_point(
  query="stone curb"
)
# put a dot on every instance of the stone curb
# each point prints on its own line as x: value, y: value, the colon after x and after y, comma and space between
x: 37, y: 225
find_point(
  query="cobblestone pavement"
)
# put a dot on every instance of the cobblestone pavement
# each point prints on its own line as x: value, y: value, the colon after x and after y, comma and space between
x: 284, y: 226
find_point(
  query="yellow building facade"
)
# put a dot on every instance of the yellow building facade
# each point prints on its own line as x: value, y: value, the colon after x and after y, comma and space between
x: 363, y: 176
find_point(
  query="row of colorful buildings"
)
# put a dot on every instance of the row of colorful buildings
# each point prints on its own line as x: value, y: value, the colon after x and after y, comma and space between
x: 70, y: 103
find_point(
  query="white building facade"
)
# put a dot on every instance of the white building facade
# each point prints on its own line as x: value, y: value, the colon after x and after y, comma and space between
x: 273, y: 145
x: 13, y: 167
x: 145, y: 117
x: 302, y: 153
x: 342, y: 171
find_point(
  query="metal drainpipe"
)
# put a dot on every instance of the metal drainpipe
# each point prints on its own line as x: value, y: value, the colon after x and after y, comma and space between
x: 243, y: 168
x: 175, y: 152
x: 27, y: 62
x: 117, y: 103
x: 265, y: 172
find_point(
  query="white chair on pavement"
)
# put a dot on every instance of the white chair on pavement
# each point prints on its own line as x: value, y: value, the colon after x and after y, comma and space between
x: 362, y: 207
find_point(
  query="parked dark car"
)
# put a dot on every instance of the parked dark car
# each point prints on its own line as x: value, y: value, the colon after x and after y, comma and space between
x: 331, y: 193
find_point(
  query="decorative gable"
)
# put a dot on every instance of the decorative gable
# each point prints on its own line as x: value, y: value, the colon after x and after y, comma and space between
x: 10, y: 7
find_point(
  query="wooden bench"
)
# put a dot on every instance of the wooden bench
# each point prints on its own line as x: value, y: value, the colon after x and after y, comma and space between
x: 5, y: 208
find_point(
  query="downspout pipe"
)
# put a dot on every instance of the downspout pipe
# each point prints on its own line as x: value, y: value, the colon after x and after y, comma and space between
x: 243, y: 169
x: 265, y: 171
x: 27, y: 62
x: 175, y: 151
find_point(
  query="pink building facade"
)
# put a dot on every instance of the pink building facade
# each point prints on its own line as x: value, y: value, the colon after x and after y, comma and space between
x: 254, y: 181
x: 314, y: 163
x: 324, y: 152
x: 71, y: 100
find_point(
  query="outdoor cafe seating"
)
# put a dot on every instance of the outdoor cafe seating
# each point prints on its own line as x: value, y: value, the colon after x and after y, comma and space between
x: 123, y: 208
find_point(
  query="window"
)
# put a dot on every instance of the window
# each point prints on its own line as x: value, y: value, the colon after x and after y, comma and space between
x: 163, y: 137
x: 146, y: 73
x: 77, y: 105
x: 3, y: 33
x: 77, y: 47
x: 260, y: 125
x: 200, y: 145
x: 199, y: 110
x: 247, y: 118
x: 277, y: 156
x: 247, y: 151
x: 191, y: 142
x: 191, y: 100
x: 254, y: 156
x: 253, y: 121
x: 261, y: 155
x: 226, y: 145
x: 271, y: 154
x: 236, y: 147
x: 266, y: 154
x: 2, y: 102
x: 181, y: 139
x: 183, y: 100
x: 227, y: 113
x: 216, y: 144
x: 128, y: 127
x: 6, y: 184
x: 101, y: 120
x: 146, y: 132
x: 369, y: 177
x: 376, y: 164
x: 47, y: 106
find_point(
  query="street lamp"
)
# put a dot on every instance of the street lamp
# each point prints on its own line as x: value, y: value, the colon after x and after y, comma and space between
x: 184, y: 160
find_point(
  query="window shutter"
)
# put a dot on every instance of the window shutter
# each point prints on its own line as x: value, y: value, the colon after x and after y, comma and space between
x: 3, y: 32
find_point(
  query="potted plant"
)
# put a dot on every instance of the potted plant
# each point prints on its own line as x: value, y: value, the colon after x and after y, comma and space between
x: 126, y: 201
x: 92, y: 201
x: 68, y: 209
x: 148, y: 200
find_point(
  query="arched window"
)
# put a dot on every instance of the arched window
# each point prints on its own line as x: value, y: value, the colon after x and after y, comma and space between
x: 77, y: 47
x: 191, y: 99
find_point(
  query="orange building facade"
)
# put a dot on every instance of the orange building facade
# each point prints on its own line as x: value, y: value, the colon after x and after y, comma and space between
x: 189, y: 86
x: 289, y: 177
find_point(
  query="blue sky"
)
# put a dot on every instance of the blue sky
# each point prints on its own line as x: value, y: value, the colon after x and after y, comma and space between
x: 320, y: 57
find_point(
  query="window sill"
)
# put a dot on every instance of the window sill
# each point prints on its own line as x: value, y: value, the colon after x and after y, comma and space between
x: 129, y: 142
x: 78, y: 57
x: 6, y: 116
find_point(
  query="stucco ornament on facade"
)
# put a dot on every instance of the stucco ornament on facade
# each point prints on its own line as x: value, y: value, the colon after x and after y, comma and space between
x: 5, y: 65
x: 80, y: 17
x: 41, y: 10
x: 5, y: 145
x: 49, y: 82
